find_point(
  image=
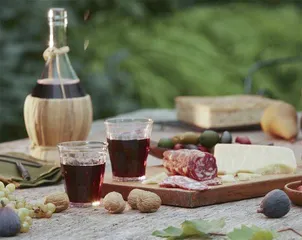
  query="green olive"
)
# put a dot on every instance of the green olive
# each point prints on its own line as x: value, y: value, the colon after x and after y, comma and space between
x: 176, y: 139
x: 165, y: 143
x: 209, y: 138
x: 189, y: 138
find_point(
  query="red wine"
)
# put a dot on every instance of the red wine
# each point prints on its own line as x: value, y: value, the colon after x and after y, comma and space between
x: 128, y: 157
x: 83, y: 183
x: 47, y: 88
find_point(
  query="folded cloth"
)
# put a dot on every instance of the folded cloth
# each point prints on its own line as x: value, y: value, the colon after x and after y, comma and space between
x: 41, y: 174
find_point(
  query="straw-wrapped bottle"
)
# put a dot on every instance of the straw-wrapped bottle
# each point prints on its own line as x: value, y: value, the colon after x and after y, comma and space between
x: 58, y: 109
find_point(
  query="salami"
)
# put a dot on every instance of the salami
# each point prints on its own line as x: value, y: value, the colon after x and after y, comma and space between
x: 184, y: 183
x: 194, y: 164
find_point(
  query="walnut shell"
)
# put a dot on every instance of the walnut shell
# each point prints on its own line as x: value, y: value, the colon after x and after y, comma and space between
x: 148, y: 202
x: 132, y: 197
x: 59, y: 199
x: 114, y: 202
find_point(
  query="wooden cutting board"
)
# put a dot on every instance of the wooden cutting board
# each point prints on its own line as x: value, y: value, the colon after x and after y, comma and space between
x: 226, y: 192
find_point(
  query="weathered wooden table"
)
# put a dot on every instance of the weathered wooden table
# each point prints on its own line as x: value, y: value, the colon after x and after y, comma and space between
x: 95, y: 223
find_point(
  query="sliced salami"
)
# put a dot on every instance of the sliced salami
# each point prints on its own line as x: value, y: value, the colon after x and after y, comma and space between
x: 184, y: 183
x: 194, y: 164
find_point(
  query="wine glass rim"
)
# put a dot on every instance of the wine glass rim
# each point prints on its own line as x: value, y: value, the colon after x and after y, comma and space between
x: 82, y: 145
x: 125, y: 120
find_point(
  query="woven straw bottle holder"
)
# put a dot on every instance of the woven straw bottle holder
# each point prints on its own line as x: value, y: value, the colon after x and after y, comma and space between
x: 58, y: 109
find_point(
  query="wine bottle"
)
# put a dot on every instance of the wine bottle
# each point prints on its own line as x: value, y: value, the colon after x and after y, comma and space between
x: 58, y: 109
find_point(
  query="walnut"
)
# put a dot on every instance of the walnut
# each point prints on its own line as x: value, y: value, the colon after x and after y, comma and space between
x: 114, y: 202
x: 59, y: 199
x: 148, y: 202
x: 132, y: 197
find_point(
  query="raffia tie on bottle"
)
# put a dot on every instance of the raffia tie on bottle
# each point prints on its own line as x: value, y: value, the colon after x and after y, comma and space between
x: 50, y: 53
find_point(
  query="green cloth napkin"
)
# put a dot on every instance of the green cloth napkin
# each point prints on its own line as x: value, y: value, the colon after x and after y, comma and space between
x: 46, y: 174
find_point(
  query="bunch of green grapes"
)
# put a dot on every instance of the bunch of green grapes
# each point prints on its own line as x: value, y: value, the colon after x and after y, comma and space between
x: 26, y: 211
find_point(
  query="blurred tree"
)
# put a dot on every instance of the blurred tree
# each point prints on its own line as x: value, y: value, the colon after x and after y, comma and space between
x: 143, y: 53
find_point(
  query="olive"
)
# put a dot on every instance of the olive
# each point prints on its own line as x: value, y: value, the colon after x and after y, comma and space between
x: 209, y: 138
x: 243, y: 140
x: 176, y: 139
x: 165, y: 143
x: 226, y: 137
x: 202, y: 148
x: 178, y: 146
x: 189, y: 138
x: 190, y: 146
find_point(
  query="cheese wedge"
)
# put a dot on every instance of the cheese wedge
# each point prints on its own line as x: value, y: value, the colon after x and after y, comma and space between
x: 227, y: 178
x: 156, y: 178
x: 260, y: 159
x: 247, y: 176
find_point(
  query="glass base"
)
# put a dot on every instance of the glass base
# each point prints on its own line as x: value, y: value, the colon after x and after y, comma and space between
x: 128, y: 179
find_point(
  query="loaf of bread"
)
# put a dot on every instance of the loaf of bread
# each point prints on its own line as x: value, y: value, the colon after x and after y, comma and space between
x: 221, y: 111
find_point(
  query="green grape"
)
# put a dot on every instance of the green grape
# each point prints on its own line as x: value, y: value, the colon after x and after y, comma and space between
x: 22, y: 213
x: 11, y: 197
x: 29, y: 220
x: 4, y: 200
x: 1, y: 185
x: 43, y: 207
x: 31, y: 213
x: 29, y: 206
x: 2, y: 194
x: 24, y: 227
x: 51, y: 207
x: 6, y: 192
x: 10, y: 187
x: 20, y: 205
x: 48, y: 214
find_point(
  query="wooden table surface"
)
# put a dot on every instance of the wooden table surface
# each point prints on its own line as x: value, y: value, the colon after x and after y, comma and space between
x: 95, y: 223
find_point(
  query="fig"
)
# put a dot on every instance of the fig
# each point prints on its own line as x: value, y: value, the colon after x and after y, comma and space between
x: 243, y: 140
x: 275, y: 204
x: 209, y: 138
x: 10, y: 224
x: 165, y: 143
x: 226, y: 137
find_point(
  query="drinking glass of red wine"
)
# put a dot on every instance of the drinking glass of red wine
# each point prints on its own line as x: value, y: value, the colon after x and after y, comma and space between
x: 83, y: 169
x: 128, y: 144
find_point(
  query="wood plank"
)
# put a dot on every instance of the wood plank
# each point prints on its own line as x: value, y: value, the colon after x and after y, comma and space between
x: 226, y: 192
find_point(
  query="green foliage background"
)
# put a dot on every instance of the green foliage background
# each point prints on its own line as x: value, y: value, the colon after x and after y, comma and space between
x: 143, y: 53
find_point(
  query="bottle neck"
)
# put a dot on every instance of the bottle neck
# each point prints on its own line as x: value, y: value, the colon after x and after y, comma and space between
x: 57, y: 36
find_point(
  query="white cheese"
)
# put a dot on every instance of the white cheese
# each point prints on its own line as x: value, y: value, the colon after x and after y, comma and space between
x: 247, y: 176
x: 227, y: 178
x: 260, y: 159
x: 156, y: 178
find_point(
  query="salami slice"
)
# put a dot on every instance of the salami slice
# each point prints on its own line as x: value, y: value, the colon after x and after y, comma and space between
x: 194, y: 164
x: 184, y: 183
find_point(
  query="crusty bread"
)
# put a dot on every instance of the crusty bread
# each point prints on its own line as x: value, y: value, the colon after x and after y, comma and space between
x: 221, y: 111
